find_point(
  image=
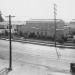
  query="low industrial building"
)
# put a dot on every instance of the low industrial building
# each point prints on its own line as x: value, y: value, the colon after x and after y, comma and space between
x: 43, y: 27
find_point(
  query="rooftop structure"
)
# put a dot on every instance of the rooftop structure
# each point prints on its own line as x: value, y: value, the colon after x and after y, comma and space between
x: 44, y: 20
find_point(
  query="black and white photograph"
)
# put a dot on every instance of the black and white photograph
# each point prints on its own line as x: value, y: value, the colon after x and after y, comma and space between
x: 37, y: 37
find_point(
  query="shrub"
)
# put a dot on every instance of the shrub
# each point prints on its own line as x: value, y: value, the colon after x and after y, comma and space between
x: 74, y: 41
x: 60, y: 41
x: 64, y: 38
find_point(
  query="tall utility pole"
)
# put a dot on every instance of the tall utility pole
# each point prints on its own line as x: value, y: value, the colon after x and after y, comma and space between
x: 55, y: 22
x: 10, y: 46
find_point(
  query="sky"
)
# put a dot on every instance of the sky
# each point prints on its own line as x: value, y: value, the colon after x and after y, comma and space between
x: 38, y: 9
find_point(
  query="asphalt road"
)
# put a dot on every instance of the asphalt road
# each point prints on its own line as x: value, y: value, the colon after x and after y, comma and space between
x: 42, y: 42
x: 43, y: 60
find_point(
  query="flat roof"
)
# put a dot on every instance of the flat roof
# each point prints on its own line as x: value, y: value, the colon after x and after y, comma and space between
x: 13, y: 23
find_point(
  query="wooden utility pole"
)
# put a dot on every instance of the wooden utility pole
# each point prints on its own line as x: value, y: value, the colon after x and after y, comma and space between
x: 55, y: 22
x: 10, y: 46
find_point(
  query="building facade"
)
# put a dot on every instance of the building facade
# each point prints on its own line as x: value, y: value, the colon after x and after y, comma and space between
x: 43, y: 27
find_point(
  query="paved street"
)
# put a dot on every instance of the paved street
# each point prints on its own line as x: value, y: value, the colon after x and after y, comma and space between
x: 30, y: 59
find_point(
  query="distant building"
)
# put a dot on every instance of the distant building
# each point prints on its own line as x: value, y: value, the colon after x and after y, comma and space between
x: 71, y: 26
x: 45, y: 27
x: 4, y: 25
x: 1, y: 26
x: 14, y: 25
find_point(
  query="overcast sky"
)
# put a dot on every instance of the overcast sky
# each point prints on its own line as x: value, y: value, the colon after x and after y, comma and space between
x: 41, y: 9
